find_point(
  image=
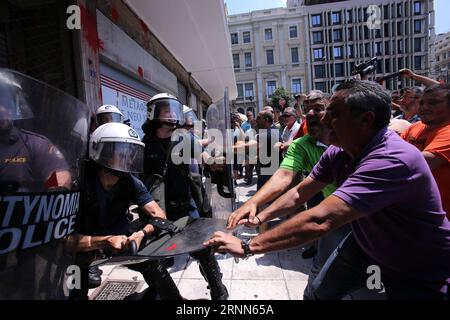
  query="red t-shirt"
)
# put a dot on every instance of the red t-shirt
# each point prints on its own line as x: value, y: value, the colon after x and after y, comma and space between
x: 437, y: 142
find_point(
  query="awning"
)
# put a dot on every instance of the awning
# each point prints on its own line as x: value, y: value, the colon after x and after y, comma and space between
x: 196, y: 33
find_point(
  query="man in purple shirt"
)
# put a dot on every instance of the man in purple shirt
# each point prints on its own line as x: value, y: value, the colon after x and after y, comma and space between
x: 385, y: 190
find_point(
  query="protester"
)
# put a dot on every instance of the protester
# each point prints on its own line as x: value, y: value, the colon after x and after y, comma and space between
x: 432, y: 136
x: 396, y: 225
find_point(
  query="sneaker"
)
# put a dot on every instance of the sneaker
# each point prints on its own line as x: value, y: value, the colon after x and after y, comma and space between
x: 309, y: 253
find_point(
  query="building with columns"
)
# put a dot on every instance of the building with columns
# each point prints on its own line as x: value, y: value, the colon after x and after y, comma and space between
x: 315, y: 44
x: 269, y: 51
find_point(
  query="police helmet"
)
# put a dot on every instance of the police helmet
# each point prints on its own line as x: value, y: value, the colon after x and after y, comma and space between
x: 13, y: 104
x: 118, y: 147
x: 108, y: 113
x: 166, y: 109
x: 189, y: 116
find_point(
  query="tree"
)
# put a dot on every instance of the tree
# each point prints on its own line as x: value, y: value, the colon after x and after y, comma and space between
x: 280, y: 93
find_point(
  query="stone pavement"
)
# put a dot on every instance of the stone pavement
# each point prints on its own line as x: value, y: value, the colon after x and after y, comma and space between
x: 274, y: 276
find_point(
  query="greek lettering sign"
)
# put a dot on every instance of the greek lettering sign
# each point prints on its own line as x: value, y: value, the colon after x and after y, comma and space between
x: 132, y: 103
x: 31, y: 220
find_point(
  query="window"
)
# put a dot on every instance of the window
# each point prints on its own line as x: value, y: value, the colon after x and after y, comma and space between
x: 386, y: 12
x: 350, y: 34
x: 350, y: 52
x: 294, y: 55
x: 400, y: 63
x: 268, y: 34
x: 386, y: 30
x: 367, y: 51
x: 349, y: 16
x: 337, y: 52
x: 417, y: 26
x: 249, y: 90
x: 293, y: 32
x: 417, y: 63
x: 337, y: 35
x: 399, y: 10
x: 318, y: 54
x: 269, y: 56
x: 400, y: 46
x: 336, y: 17
x: 379, y: 68
x: 236, y: 63
x: 271, y: 86
x: 320, y: 86
x: 248, y: 60
x: 296, y: 86
x: 317, y: 37
x: 319, y: 71
x: 316, y: 20
x: 399, y: 28
x: 240, y: 89
x: 234, y: 38
x: 366, y: 32
x: 378, y: 33
x: 339, y: 69
x: 417, y: 45
x: 386, y: 47
x: 387, y: 65
x: 417, y: 7
x: 378, y: 49
x: 246, y: 36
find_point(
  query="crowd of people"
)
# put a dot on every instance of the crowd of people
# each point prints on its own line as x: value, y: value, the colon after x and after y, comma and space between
x: 373, y: 169
x: 362, y: 175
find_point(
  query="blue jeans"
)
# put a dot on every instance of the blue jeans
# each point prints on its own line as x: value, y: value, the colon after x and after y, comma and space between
x: 345, y: 272
x: 326, y: 246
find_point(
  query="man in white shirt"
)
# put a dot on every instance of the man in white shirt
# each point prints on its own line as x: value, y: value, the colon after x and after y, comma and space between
x: 290, y: 130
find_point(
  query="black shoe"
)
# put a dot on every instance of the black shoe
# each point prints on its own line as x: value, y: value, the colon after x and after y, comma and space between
x: 96, y: 269
x: 309, y: 253
x: 168, y: 262
x: 222, y: 294
x: 94, y: 279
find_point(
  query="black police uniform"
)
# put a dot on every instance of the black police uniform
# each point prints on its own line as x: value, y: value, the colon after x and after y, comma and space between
x: 27, y: 159
x: 178, y: 197
x: 104, y: 212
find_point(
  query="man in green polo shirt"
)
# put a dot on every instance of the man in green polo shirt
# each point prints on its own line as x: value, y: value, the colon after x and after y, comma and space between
x: 301, y: 157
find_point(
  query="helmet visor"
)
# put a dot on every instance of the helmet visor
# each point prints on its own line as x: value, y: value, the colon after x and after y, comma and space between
x: 190, y: 118
x: 168, y: 111
x: 13, y: 104
x: 121, y: 156
x: 108, y: 117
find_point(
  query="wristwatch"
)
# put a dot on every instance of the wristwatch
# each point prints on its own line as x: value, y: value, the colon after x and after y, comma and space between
x: 245, y: 244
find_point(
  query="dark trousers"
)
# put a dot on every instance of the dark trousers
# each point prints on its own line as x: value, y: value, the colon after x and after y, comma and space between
x: 346, y: 271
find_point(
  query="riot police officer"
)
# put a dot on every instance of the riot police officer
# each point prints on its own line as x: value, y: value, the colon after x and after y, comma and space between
x: 169, y: 182
x: 108, y: 113
x: 43, y: 132
x: 27, y: 160
x: 115, y: 152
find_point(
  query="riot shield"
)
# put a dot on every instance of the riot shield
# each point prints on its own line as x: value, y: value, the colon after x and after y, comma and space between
x: 186, y: 235
x: 43, y: 138
x: 220, y: 183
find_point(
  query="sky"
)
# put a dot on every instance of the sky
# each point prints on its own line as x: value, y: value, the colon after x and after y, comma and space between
x: 441, y: 7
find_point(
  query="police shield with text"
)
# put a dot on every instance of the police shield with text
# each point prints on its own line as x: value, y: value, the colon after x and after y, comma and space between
x: 43, y: 132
